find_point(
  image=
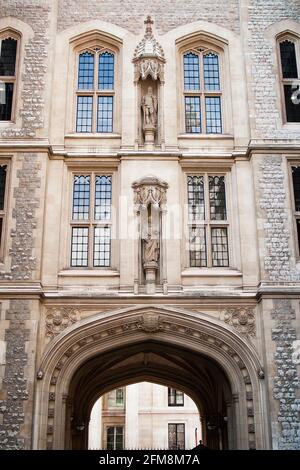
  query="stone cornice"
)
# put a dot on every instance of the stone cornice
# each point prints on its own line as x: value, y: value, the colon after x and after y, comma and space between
x: 13, y: 289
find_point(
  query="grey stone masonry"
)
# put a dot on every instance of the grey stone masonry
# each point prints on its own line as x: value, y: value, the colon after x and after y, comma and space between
x: 32, y: 79
x: 167, y: 14
x: 14, y: 382
x: 272, y: 202
x: 286, y: 382
x: 23, y: 261
x: 266, y: 104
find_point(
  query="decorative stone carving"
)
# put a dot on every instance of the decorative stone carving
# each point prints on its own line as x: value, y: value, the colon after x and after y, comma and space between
x: 148, y: 56
x: 40, y: 375
x: 261, y: 374
x: 57, y: 319
x: 150, y: 190
x: 242, y: 319
x: 150, y: 323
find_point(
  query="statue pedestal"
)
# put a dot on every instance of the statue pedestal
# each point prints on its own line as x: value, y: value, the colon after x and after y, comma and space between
x: 149, y: 132
x: 150, y: 272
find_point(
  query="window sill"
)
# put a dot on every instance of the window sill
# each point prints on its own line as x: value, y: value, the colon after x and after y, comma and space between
x: 89, y: 273
x: 5, y: 124
x: 211, y: 272
x: 206, y: 136
x: 100, y: 135
x: 291, y: 125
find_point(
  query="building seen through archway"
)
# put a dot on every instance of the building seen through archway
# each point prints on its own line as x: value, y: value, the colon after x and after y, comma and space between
x: 144, y: 416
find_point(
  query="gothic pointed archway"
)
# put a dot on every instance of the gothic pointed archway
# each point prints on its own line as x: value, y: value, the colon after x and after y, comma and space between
x: 190, y: 351
x: 155, y: 362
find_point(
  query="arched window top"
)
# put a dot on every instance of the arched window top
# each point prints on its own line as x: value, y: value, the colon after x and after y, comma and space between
x: 106, y: 71
x: 201, y: 62
x: 9, y: 40
x: 95, y: 87
x: 288, y: 58
x: 86, y: 69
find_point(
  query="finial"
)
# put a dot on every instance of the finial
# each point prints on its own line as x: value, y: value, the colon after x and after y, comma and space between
x: 148, y: 22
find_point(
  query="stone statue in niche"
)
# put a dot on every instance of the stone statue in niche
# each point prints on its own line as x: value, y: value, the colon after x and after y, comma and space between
x: 151, y: 250
x: 149, y: 107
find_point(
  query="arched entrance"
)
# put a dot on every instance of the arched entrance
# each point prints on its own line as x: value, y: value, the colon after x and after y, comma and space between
x: 190, y: 351
x: 152, y: 361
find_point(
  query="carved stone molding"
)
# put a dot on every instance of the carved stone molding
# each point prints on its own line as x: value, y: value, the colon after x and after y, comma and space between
x: 150, y: 190
x: 242, y: 319
x: 154, y: 322
x: 59, y: 318
x: 148, y: 56
x: 150, y: 323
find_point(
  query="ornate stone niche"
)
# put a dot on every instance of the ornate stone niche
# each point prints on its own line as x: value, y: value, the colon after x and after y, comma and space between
x: 149, y: 79
x: 150, y: 206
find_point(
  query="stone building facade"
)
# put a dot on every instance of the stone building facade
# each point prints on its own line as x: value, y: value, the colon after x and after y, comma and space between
x: 144, y: 416
x: 149, y: 234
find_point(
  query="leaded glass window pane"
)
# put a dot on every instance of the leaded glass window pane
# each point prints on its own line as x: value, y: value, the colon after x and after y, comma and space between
x: 105, y: 114
x: 175, y: 397
x: 6, y: 99
x: 86, y: 71
x: 197, y: 244
x: 8, y: 56
x: 196, y: 205
x: 176, y: 436
x: 219, y: 247
x: 84, y: 113
x: 213, y: 115
x: 79, y: 250
x: 102, y: 242
x: 211, y: 72
x: 296, y: 186
x: 3, y: 169
x: 217, y: 199
x: 102, y: 197
x: 292, y: 102
x: 191, y: 71
x: 288, y: 59
x: 81, y: 197
x: 193, y: 114
x: 106, y: 71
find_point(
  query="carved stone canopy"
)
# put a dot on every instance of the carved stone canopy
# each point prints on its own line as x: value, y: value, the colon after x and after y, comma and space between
x: 150, y: 190
x: 149, y: 56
